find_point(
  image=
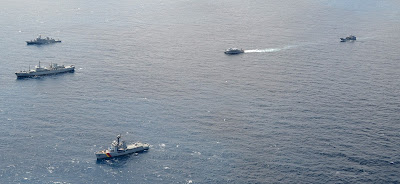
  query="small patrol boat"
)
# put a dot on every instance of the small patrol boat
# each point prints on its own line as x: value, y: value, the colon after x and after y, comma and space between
x: 234, y: 51
x: 349, y: 38
x: 51, y: 70
x: 119, y: 148
x: 39, y: 41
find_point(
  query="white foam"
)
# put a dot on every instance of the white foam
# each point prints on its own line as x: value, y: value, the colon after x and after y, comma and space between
x: 269, y: 49
x: 263, y: 50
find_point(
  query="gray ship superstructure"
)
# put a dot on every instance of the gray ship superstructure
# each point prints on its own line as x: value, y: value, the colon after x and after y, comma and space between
x: 39, y: 41
x: 38, y: 71
x: 119, y: 148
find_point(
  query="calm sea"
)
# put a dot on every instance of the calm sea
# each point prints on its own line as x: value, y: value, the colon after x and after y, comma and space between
x: 297, y: 107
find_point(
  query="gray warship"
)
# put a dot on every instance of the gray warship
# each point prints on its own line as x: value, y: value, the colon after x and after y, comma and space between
x: 38, y: 71
x: 39, y: 41
x: 119, y: 148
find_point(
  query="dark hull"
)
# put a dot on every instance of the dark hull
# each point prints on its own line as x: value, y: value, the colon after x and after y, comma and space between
x: 346, y: 40
x: 42, y: 43
x: 232, y: 53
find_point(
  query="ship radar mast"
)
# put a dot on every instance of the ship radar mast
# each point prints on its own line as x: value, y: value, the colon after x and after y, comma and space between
x: 118, y: 137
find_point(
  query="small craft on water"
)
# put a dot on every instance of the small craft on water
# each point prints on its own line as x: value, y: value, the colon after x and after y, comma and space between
x: 119, y: 148
x: 349, y: 38
x: 234, y: 51
x: 38, y: 71
x: 39, y: 41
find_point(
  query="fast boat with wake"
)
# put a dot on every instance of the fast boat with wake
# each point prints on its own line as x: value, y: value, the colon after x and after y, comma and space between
x: 38, y: 71
x: 119, y: 148
x: 234, y: 51
x: 349, y: 38
x: 39, y: 41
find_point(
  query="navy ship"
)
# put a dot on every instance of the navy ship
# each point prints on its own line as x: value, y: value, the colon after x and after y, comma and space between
x: 38, y: 71
x: 234, y: 51
x: 39, y: 41
x: 119, y: 148
x: 349, y: 38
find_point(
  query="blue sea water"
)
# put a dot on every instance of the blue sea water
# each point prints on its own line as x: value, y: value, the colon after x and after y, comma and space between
x: 297, y: 107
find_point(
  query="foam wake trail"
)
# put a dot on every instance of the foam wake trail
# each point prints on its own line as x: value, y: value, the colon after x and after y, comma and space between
x: 365, y: 38
x: 262, y: 50
x: 268, y: 50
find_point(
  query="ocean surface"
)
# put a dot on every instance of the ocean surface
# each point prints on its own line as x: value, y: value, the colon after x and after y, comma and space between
x: 297, y: 107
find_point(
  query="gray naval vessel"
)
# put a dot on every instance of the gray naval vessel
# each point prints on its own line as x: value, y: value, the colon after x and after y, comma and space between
x: 39, y: 41
x: 38, y: 71
x: 234, y: 51
x: 119, y: 148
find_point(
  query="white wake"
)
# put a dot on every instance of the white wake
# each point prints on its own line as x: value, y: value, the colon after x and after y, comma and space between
x: 268, y: 49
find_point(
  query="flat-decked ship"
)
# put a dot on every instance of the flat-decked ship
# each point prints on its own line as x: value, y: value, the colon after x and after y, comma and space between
x: 51, y: 70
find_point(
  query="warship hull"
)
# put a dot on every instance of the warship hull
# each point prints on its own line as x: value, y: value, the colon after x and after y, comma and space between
x: 41, y: 43
x: 41, y: 73
x: 134, y: 148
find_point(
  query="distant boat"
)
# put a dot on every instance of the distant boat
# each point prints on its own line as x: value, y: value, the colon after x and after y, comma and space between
x: 234, y: 51
x: 349, y: 38
x: 38, y: 71
x: 39, y: 41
